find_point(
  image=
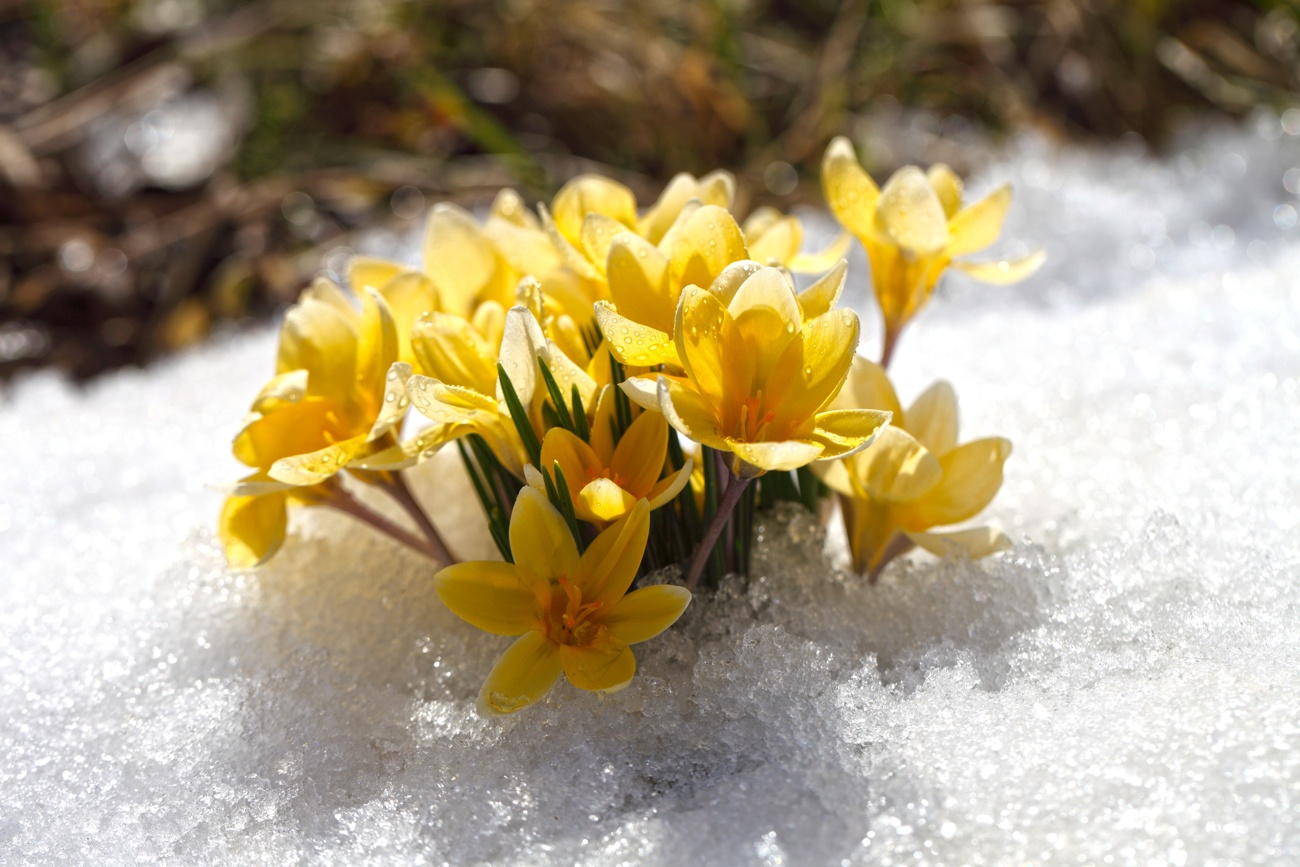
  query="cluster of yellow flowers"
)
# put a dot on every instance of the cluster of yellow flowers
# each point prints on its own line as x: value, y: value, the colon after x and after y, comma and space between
x: 556, y: 350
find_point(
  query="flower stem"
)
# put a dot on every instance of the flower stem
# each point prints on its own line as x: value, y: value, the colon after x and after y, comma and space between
x: 338, y: 498
x: 397, y: 488
x: 892, y: 334
x: 730, y: 497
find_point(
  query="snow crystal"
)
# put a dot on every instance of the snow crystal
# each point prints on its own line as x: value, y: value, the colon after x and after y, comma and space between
x: 1119, y: 688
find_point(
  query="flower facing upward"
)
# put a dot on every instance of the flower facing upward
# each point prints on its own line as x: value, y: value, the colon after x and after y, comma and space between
x: 571, y: 613
x: 758, y: 378
x: 914, y: 476
x: 914, y: 228
x: 606, y: 480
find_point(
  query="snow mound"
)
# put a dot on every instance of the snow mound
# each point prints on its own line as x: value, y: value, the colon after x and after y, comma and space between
x: 1121, y: 687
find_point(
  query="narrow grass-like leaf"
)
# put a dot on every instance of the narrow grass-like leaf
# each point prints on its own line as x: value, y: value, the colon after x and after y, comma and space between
x: 580, y: 416
x: 557, y: 398
x: 520, y: 417
x: 809, y: 489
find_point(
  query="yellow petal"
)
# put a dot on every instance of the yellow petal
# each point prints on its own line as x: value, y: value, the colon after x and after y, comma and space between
x: 315, y: 467
x: 947, y: 186
x: 704, y: 332
x: 459, y: 258
x: 295, y: 429
x: 1004, y: 272
x: 813, y: 368
x: 639, y: 457
x: 539, y: 538
x: 493, y: 596
x: 784, y: 455
x: 522, y: 342
x: 318, y: 337
x: 639, y: 282
x: 932, y: 418
x: 585, y: 194
x: 449, y: 404
x: 395, y: 403
x: 605, y: 664
x: 896, y: 468
x: 911, y: 214
x: 251, y: 529
x: 569, y: 252
x: 409, y: 296
x: 666, y: 489
x: 845, y: 432
x: 509, y: 207
x: 718, y: 187
x: 642, y: 390
x: 577, y: 459
x: 368, y: 272
x: 377, y: 347
x: 632, y: 343
x: 524, y: 673
x: 282, y: 390
x: 687, y: 412
x: 451, y: 350
x: 728, y: 283
x: 610, y: 562
x: 601, y: 501
x: 773, y: 241
x: 759, y: 222
x: 979, y: 225
x: 974, y: 543
x: 868, y: 387
x: 850, y: 193
x: 815, y: 263
x: 766, y: 319
x: 598, y: 234
x: 663, y: 213
x: 972, y: 474
x: 821, y: 296
x: 601, y: 425
x: 705, y: 244
x: 418, y: 448
x: 643, y: 614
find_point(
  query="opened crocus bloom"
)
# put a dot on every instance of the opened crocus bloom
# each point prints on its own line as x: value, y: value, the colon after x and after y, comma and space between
x: 758, y: 378
x: 914, y: 229
x: 606, y: 480
x: 337, y: 396
x: 914, y: 477
x: 571, y: 613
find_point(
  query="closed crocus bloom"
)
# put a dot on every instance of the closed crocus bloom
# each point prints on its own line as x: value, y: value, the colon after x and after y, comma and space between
x: 572, y: 614
x: 758, y: 378
x: 469, y: 399
x: 913, y: 229
x: 914, y: 477
x: 606, y: 480
x: 336, y: 398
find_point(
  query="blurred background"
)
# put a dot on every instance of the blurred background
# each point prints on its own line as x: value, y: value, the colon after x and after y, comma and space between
x: 173, y: 167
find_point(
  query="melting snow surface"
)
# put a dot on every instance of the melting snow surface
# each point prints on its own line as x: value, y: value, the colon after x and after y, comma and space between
x: 1122, y: 687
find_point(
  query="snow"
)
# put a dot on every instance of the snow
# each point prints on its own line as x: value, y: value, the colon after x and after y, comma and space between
x: 1121, y: 687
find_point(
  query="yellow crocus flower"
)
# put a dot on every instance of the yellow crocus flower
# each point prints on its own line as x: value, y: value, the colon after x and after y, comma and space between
x: 571, y: 613
x: 706, y: 248
x: 607, y: 479
x: 337, y: 397
x: 465, y: 393
x: 914, y: 229
x: 914, y: 477
x: 758, y: 378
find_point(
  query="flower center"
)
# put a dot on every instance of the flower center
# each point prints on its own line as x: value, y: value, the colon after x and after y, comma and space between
x: 753, y: 421
x: 575, y: 623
